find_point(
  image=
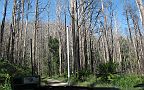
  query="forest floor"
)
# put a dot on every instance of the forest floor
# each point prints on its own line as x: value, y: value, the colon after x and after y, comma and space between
x: 125, y: 82
x: 54, y: 82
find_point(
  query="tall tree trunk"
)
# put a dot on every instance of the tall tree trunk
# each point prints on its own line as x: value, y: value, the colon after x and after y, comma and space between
x: 8, y: 45
x: 60, y: 54
x: 25, y: 30
x: 85, y: 49
x: 77, y: 39
x: 65, y: 35
x: 141, y: 10
x: 73, y: 33
x: 2, y: 28
x: 18, y: 46
x: 13, y: 30
x: 131, y: 40
x: 91, y: 53
x: 35, y: 38
x: 118, y: 48
x: 22, y: 27
x: 136, y: 43
x: 111, y: 34
x: 141, y: 48
x: 48, y: 55
x: 58, y: 11
x: 105, y: 39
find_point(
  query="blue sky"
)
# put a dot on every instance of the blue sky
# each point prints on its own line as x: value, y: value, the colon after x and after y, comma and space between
x: 42, y: 3
x: 118, y: 4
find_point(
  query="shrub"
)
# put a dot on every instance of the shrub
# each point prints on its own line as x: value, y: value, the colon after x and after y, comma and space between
x: 83, y: 74
x: 126, y: 81
x: 13, y: 70
x: 8, y: 70
x: 6, y: 84
x: 107, y: 70
x: 73, y: 80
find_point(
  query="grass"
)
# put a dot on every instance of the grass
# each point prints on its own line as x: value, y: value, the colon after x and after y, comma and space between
x: 124, y: 82
x: 127, y: 81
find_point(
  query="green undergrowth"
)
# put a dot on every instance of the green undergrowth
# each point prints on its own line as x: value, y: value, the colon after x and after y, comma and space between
x: 123, y: 82
x: 8, y: 70
x: 107, y: 77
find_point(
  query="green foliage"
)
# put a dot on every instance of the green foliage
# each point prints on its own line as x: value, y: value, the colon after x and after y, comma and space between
x: 90, y: 81
x: 13, y: 70
x: 8, y: 70
x: 6, y: 67
x: 54, y: 50
x: 126, y: 81
x: 83, y: 74
x: 73, y: 80
x: 80, y: 76
x: 6, y: 84
x: 53, y: 45
x: 107, y: 70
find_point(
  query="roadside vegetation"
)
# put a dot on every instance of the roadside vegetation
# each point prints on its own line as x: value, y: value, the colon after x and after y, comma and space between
x: 8, y: 70
x: 107, y: 77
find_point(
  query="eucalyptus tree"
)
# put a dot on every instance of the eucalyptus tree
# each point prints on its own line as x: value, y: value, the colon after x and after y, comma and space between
x: 35, y: 36
x: 141, y: 9
x: 2, y: 28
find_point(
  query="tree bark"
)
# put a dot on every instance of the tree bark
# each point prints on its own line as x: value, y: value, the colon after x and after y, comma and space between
x: 73, y: 33
x: 25, y: 30
x: 2, y: 28
x: 141, y: 10
x: 13, y: 30
x: 35, y: 38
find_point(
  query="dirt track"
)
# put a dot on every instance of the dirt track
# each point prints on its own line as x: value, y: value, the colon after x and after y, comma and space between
x: 52, y: 82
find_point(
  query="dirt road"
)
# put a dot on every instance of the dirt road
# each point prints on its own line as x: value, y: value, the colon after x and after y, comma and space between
x: 52, y: 82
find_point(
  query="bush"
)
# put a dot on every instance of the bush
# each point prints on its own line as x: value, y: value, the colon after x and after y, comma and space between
x: 13, y: 70
x: 126, y: 81
x: 107, y: 70
x: 8, y: 70
x: 6, y: 84
x: 73, y: 79
x: 83, y: 74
